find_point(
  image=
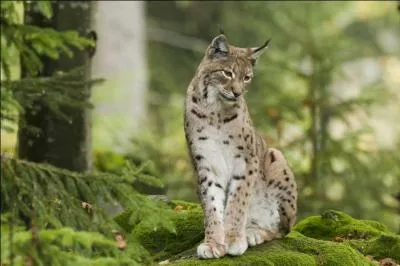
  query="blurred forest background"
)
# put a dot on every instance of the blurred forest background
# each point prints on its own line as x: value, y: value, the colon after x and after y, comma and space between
x: 98, y: 87
x: 326, y: 92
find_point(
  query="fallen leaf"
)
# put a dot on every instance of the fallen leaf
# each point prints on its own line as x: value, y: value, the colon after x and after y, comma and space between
x: 178, y: 208
x: 339, y: 239
x: 121, y: 242
x: 272, y: 112
x: 86, y: 206
x: 387, y: 262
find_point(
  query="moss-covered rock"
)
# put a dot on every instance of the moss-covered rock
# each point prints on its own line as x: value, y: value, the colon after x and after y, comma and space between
x: 188, y: 221
x: 332, y: 238
x: 160, y: 242
x: 338, y: 224
x: 295, y: 249
x: 368, y: 237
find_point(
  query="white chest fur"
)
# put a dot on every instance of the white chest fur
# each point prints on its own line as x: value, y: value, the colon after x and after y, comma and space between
x: 220, y: 153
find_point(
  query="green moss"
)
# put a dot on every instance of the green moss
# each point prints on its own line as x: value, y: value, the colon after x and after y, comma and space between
x: 368, y: 237
x: 332, y: 224
x: 259, y: 255
x: 384, y: 246
x: 332, y: 238
x: 295, y: 249
x: 325, y: 252
x: 161, y: 243
x: 376, y: 225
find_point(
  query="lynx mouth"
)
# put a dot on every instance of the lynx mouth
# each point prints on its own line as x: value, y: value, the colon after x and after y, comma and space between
x: 227, y: 97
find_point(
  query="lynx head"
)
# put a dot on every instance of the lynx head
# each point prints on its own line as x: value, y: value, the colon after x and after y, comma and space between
x: 227, y: 69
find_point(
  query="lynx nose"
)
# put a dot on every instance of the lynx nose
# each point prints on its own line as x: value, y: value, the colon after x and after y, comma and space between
x: 235, y: 93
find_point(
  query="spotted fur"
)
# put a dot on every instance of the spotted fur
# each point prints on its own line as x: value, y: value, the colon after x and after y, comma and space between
x: 248, y: 192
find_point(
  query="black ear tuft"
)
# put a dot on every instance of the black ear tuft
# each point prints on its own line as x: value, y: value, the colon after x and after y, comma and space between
x: 256, y: 52
x: 219, y: 47
x: 262, y: 46
x: 221, y: 29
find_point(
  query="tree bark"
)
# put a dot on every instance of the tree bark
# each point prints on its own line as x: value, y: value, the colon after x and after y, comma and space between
x: 121, y: 59
x: 65, y: 144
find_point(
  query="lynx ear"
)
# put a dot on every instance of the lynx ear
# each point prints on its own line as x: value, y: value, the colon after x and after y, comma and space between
x: 219, y: 47
x: 257, y: 52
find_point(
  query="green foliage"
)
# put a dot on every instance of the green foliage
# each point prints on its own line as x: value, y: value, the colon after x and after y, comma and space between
x: 28, y: 45
x: 42, y: 42
x: 147, y: 182
x: 33, y: 42
x: 165, y: 161
x: 54, y: 199
x: 51, y: 216
x: 63, y: 246
x: 51, y: 91
x: 57, y: 194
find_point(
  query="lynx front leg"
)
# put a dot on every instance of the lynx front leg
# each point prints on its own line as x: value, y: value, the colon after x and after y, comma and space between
x: 239, y: 196
x: 212, y: 197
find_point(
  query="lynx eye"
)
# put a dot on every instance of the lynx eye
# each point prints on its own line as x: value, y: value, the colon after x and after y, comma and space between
x: 247, y: 78
x: 227, y: 74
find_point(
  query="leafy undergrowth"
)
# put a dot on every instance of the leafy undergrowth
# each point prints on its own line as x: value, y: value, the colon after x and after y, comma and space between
x: 64, y: 246
x: 51, y: 216
x: 332, y: 238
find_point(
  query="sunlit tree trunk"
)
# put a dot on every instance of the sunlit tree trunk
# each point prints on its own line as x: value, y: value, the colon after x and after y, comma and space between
x: 120, y: 103
x: 60, y: 142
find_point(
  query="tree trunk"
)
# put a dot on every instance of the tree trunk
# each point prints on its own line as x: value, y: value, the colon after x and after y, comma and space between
x: 121, y: 59
x: 65, y: 144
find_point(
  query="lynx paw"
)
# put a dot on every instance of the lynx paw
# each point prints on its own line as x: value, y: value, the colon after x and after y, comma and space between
x: 237, y: 247
x: 210, y: 250
x: 255, y: 236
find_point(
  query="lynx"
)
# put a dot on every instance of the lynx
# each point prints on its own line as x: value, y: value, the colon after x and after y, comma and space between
x: 247, y: 190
